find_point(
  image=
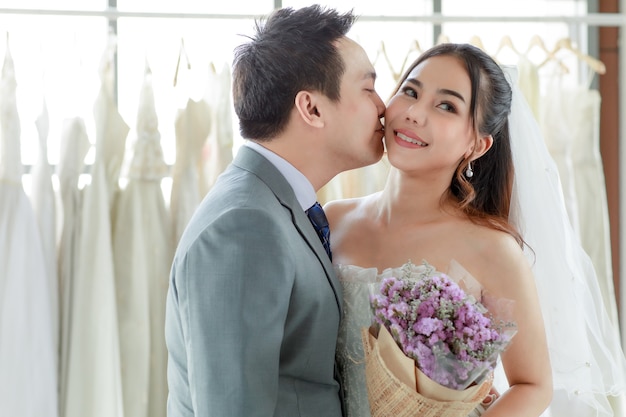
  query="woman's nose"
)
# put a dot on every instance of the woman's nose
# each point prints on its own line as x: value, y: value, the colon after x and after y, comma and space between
x: 416, y: 114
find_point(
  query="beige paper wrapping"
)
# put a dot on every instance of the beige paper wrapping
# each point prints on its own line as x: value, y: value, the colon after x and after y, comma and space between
x: 392, y: 391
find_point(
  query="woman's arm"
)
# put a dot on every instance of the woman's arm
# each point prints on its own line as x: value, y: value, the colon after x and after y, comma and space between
x: 526, y: 361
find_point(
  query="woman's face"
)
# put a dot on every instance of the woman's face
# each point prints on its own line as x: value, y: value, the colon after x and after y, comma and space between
x: 427, y: 123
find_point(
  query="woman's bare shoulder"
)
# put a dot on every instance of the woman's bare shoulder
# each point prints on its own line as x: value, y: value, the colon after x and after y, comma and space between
x: 338, y: 211
x: 504, y: 265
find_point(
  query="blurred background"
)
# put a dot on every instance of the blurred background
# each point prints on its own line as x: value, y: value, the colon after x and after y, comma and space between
x: 116, y: 119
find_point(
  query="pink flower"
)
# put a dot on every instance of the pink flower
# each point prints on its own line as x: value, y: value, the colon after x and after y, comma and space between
x: 452, y: 337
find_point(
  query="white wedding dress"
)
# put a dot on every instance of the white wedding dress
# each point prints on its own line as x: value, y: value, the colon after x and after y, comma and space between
x: 94, y: 382
x: 350, y: 357
x: 142, y: 254
x: 28, y: 355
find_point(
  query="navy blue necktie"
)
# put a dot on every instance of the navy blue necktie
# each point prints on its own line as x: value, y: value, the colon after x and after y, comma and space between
x: 320, y: 224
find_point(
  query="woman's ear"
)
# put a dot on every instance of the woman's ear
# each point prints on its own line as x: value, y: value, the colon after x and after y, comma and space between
x: 307, y: 107
x: 483, y: 144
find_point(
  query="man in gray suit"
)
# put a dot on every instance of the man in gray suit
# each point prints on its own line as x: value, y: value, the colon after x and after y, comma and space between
x: 253, y: 306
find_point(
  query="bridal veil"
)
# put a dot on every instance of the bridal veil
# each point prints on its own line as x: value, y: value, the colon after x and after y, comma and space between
x: 587, y: 359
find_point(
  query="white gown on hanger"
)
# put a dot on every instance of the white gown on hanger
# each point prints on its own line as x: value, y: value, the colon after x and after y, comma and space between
x: 28, y: 356
x: 143, y: 256
x: 74, y: 147
x: 583, y: 110
x: 558, y: 133
x: 94, y: 381
x: 220, y: 141
x: 43, y: 200
x: 528, y: 83
x: 192, y: 128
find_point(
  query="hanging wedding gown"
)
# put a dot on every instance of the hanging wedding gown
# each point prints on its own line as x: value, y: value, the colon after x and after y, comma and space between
x: 583, y: 109
x: 219, y: 144
x: 28, y: 356
x: 43, y: 199
x: 528, y: 83
x: 558, y: 132
x: 143, y: 256
x: 192, y: 126
x: 74, y: 147
x: 94, y: 381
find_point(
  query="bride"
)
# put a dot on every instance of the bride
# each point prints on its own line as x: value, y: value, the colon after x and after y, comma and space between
x: 451, y: 198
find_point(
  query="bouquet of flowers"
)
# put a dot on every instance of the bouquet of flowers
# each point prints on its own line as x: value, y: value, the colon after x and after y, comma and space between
x: 433, y: 344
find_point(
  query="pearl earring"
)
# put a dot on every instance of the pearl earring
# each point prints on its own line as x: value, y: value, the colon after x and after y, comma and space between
x: 469, y: 173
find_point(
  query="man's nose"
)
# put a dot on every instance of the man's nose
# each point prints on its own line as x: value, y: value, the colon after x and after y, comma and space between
x: 380, y: 106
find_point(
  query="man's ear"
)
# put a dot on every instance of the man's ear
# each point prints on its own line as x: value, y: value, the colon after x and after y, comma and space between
x: 307, y: 105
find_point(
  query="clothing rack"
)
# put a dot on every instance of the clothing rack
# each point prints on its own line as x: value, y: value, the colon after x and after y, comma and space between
x: 592, y: 19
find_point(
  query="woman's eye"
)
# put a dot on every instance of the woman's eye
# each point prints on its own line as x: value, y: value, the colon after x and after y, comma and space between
x: 447, y: 107
x: 409, y: 92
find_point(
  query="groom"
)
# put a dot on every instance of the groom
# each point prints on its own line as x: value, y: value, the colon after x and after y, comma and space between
x: 253, y: 305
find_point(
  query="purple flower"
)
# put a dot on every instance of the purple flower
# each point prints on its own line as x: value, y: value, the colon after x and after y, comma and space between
x: 451, y: 336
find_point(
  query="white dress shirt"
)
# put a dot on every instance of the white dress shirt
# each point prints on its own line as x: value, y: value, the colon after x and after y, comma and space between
x: 302, y: 187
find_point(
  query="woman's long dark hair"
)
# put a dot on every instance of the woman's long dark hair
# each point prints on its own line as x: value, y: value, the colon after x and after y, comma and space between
x: 486, y: 197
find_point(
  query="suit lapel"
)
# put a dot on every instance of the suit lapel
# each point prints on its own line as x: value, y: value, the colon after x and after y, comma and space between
x: 252, y: 161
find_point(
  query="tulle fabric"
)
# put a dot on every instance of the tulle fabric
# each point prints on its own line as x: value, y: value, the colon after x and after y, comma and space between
x: 587, y: 360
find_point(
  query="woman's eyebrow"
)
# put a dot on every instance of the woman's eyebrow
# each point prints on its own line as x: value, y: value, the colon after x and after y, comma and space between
x: 444, y: 91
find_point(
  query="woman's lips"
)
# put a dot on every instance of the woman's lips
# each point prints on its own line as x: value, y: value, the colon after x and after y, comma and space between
x: 406, y: 138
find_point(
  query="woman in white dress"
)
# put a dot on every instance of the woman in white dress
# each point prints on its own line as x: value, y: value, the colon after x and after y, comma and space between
x: 446, y: 199
x: 451, y: 196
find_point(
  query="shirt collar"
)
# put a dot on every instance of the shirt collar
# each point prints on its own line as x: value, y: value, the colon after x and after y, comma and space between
x: 302, y: 187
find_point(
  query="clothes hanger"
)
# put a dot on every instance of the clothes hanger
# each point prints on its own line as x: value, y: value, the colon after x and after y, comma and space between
x: 397, y: 74
x: 415, y: 47
x: 537, y: 42
x: 566, y: 44
x: 506, y: 42
x: 181, y: 52
x: 477, y: 42
x: 378, y: 53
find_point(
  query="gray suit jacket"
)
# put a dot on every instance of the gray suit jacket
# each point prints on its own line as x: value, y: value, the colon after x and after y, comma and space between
x: 253, y: 305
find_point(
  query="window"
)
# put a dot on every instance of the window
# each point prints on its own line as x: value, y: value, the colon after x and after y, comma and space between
x: 57, y: 56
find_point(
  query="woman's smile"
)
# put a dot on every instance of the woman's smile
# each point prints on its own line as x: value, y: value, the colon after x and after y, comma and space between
x: 405, y: 138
